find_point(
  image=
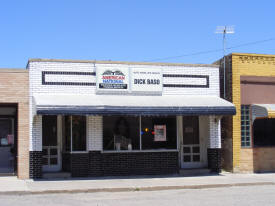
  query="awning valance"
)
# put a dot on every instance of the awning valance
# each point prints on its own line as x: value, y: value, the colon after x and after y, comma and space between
x: 131, y: 105
x: 263, y: 111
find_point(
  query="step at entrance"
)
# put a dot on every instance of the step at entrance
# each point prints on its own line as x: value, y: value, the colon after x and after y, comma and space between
x: 56, y: 175
x: 194, y: 172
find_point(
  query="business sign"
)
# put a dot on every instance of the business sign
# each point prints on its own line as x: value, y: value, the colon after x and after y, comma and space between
x: 129, y: 80
x: 146, y: 80
x: 112, y: 79
x: 160, y: 133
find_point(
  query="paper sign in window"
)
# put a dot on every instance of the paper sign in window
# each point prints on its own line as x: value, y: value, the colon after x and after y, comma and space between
x: 160, y: 133
x: 10, y: 138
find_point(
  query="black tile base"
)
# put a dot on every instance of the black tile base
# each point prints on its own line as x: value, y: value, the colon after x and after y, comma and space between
x: 96, y: 163
x: 35, y: 164
x: 79, y: 164
x: 214, y: 159
x: 139, y: 163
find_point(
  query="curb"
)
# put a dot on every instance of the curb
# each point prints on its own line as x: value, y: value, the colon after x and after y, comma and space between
x: 133, y: 189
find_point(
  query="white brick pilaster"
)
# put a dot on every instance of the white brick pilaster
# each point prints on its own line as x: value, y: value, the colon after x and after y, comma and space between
x: 95, y: 133
x: 214, y: 132
x: 36, y: 138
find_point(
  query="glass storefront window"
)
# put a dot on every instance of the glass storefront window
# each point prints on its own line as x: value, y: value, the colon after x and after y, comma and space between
x: 79, y: 133
x: 120, y: 133
x: 139, y: 133
x: 74, y: 133
x: 159, y: 133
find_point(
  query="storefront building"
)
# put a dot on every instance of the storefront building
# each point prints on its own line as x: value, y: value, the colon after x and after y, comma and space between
x: 14, y: 123
x: 104, y: 118
x: 249, y: 136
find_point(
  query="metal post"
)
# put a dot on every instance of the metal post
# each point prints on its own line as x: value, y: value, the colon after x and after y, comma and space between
x: 224, y: 30
x: 224, y: 63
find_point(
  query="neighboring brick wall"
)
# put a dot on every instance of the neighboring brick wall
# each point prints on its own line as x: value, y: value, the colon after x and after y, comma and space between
x: 246, y: 65
x: 35, y: 164
x: 264, y: 159
x: 14, y: 84
x: 214, y: 159
x: 226, y: 122
x: 246, y: 160
x: 259, y: 159
x: 242, y: 65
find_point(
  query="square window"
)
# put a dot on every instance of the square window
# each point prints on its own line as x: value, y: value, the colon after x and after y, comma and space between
x: 186, y: 150
x: 196, y: 158
x: 187, y: 158
x: 196, y: 149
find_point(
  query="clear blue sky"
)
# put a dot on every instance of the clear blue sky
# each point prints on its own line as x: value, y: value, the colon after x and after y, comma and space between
x: 131, y: 30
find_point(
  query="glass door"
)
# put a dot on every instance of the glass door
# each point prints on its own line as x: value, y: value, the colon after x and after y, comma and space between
x: 51, y: 159
x: 190, y: 149
x: 7, y: 150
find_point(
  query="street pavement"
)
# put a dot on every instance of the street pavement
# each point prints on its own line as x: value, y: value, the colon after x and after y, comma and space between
x: 262, y: 195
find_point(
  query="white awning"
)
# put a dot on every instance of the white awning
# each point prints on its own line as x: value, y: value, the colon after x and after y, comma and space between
x: 131, y: 105
x: 263, y: 111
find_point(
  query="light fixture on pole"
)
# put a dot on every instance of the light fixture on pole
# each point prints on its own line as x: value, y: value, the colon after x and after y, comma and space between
x: 224, y: 30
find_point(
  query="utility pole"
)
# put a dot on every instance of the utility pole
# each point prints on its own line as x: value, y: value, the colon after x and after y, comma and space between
x: 224, y: 30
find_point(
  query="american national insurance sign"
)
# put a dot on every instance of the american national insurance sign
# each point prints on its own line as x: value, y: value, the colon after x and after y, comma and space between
x: 129, y: 80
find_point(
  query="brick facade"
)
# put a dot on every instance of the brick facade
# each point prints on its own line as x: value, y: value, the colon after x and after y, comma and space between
x: 14, y: 84
x: 66, y: 77
x: 237, y: 65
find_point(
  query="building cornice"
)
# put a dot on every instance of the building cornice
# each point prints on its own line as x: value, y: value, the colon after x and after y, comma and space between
x: 255, y: 58
x: 121, y: 62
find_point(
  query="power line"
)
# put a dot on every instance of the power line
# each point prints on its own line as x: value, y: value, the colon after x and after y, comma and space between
x: 184, y: 55
x: 251, y: 43
x: 211, y: 51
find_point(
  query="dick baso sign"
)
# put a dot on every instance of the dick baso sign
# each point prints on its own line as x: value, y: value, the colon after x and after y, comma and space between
x: 129, y: 80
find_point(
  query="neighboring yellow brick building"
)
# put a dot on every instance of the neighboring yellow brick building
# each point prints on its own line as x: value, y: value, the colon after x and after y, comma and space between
x: 248, y: 137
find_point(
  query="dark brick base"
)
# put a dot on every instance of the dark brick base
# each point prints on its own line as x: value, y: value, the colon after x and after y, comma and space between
x: 35, y: 164
x: 214, y: 159
x: 139, y: 163
x: 125, y: 163
x: 66, y: 162
x: 79, y: 164
x: 96, y: 163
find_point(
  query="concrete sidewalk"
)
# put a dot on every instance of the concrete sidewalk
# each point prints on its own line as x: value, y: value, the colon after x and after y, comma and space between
x: 11, y: 185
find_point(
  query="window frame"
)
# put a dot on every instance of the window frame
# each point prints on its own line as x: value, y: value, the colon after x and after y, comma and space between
x: 71, y: 135
x: 246, y: 123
